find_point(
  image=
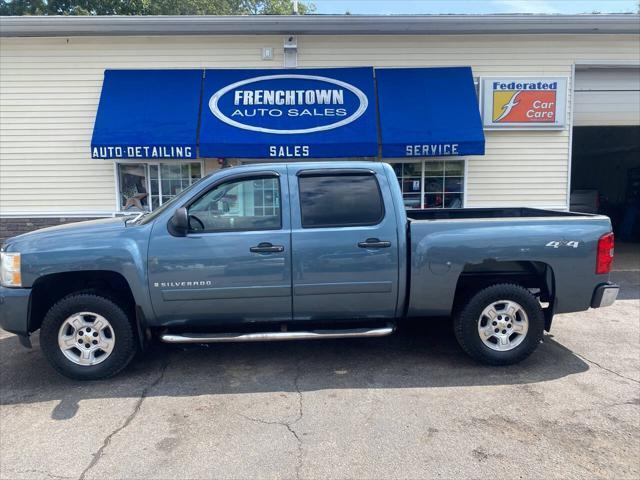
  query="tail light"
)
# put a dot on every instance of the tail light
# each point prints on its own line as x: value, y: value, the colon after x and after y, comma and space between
x: 604, y: 260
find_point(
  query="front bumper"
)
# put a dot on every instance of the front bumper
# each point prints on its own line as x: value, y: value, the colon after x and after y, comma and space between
x: 14, y: 310
x: 604, y: 295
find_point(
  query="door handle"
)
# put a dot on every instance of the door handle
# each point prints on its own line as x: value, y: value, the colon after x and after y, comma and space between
x: 374, y: 243
x: 266, y: 247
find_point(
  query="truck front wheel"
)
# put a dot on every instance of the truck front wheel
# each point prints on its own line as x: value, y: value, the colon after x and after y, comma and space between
x: 87, y: 336
x: 500, y: 325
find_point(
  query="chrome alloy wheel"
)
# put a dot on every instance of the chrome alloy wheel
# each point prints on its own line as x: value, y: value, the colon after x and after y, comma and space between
x: 503, y: 325
x: 86, y: 338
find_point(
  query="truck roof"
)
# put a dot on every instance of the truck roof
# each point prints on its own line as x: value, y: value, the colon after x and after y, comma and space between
x: 314, y: 164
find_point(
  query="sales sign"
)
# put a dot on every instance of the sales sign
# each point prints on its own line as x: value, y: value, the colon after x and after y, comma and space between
x: 524, y: 102
x: 301, y: 113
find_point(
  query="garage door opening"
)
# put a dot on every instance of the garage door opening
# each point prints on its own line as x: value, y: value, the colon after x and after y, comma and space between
x: 605, y: 176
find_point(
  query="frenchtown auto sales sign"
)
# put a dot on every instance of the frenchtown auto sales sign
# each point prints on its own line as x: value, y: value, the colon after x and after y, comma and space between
x: 288, y: 114
x: 524, y: 102
x: 309, y: 110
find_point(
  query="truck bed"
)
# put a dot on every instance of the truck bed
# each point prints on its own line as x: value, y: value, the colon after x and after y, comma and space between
x: 447, y: 244
x: 462, y: 213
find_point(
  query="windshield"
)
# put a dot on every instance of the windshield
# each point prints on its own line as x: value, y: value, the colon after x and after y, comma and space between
x: 151, y: 216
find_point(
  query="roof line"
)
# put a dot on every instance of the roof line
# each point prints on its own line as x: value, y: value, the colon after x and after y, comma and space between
x: 70, y: 26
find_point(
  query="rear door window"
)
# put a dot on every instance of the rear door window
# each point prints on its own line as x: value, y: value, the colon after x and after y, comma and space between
x: 340, y: 200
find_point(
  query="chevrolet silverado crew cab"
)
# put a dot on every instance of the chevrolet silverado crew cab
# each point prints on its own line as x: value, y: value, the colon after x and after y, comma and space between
x: 299, y: 251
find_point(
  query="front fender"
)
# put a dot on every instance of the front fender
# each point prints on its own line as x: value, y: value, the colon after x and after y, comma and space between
x: 123, y: 251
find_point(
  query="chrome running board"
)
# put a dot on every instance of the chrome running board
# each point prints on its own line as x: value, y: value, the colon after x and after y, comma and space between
x: 276, y: 336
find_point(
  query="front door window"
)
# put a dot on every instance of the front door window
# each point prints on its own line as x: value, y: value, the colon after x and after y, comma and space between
x: 250, y: 204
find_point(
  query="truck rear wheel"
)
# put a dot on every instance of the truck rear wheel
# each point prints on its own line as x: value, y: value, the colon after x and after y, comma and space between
x: 500, y: 325
x: 87, y: 336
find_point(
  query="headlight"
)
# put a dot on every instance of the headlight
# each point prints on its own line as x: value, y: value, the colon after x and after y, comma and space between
x: 10, y: 274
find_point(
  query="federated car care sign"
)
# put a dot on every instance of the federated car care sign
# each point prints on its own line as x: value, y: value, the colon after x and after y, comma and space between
x: 292, y: 114
x: 524, y: 102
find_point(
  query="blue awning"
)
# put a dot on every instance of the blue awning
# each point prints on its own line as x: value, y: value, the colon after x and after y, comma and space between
x: 150, y: 114
x: 291, y: 113
x: 428, y: 112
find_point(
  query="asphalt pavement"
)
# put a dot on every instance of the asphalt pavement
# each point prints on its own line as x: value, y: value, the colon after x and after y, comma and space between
x: 411, y: 405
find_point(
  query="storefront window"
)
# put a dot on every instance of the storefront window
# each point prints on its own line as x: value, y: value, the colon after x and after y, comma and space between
x: 146, y: 186
x: 134, y: 193
x: 431, y: 183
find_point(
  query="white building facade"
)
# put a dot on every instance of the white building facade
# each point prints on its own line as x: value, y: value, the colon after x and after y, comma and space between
x: 52, y: 70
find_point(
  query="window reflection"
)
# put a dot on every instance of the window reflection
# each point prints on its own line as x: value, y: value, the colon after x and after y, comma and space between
x: 252, y: 204
x: 431, y: 183
x: 146, y: 186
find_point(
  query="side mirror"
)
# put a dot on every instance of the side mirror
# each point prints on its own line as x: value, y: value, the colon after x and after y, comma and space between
x: 179, y: 224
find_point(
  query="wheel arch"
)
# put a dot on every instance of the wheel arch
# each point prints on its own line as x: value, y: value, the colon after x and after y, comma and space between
x: 48, y: 289
x: 538, y: 277
x: 473, y: 335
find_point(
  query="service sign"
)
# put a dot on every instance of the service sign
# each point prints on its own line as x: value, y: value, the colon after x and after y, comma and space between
x: 288, y: 114
x: 429, y: 112
x: 524, y: 102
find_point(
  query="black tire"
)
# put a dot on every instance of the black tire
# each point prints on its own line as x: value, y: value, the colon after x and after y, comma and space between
x: 466, y: 319
x: 124, y: 346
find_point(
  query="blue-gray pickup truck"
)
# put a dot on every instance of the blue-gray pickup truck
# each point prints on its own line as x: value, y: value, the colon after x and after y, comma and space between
x: 299, y: 251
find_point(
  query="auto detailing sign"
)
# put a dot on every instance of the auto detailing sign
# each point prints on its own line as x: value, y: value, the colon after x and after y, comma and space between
x: 288, y: 114
x: 143, y: 151
x: 518, y: 102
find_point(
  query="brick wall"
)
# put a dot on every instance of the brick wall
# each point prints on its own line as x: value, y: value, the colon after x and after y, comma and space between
x: 10, y: 227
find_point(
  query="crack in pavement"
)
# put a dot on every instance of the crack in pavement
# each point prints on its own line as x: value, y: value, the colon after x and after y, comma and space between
x: 296, y: 383
x: 42, y: 472
x: 605, y: 368
x: 98, y: 455
x: 288, y: 425
x: 606, y: 407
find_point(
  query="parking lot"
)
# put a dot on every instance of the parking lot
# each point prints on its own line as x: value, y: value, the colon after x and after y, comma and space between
x: 407, y: 406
